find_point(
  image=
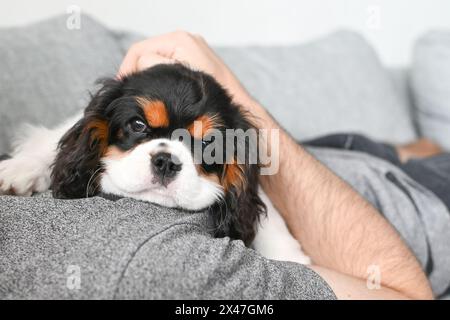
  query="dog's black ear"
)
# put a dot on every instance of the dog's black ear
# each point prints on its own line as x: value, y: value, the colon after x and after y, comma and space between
x: 77, y: 165
x: 238, y: 213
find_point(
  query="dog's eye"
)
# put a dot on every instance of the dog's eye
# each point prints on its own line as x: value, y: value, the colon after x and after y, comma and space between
x: 138, y: 126
x: 207, y: 142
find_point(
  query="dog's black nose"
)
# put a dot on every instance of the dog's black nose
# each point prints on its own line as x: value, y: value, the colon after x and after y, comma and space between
x: 165, y: 166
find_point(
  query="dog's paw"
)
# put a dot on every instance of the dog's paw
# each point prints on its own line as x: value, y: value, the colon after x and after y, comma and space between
x: 22, y: 176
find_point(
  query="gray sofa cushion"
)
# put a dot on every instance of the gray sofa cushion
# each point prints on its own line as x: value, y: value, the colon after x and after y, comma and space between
x: 47, y: 71
x: 333, y: 84
x: 431, y: 84
x: 310, y: 94
x: 400, y: 78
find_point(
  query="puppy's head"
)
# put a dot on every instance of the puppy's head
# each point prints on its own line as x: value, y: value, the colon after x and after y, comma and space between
x: 166, y: 135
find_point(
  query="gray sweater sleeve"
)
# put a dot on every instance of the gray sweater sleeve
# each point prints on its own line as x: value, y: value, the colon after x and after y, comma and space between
x: 100, y: 249
x: 183, y: 262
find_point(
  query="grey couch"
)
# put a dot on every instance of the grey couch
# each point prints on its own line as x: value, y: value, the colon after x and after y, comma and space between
x: 333, y: 84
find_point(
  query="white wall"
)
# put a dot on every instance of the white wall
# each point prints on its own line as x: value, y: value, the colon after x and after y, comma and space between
x: 390, y: 25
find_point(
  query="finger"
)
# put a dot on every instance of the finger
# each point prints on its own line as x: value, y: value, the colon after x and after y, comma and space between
x: 152, y: 59
x: 163, y: 45
x: 128, y: 65
x: 158, y: 45
x: 166, y: 44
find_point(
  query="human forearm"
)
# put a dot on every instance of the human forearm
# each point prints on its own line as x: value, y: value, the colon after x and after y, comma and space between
x: 338, y: 228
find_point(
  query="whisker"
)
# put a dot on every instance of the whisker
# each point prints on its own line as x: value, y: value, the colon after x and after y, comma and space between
x: 90, y: 180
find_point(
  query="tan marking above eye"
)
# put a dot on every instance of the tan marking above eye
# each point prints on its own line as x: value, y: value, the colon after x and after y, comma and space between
x: 155, y: 112
x: 202, y: 125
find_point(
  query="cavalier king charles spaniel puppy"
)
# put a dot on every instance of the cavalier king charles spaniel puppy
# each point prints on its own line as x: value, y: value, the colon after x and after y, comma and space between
x: 144, y: 136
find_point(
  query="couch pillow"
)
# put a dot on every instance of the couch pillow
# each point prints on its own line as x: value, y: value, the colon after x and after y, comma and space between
x: 431, y: 86
x: 333, y: 84
x: 47, y: 71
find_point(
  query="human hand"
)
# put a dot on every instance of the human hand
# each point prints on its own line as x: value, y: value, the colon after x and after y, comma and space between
x: 182, y: 47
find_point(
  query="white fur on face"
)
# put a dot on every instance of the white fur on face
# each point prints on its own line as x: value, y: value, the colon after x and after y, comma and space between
x: 130, y: 175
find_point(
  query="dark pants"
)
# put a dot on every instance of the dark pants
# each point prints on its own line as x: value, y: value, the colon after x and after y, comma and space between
x: 433, y: 172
